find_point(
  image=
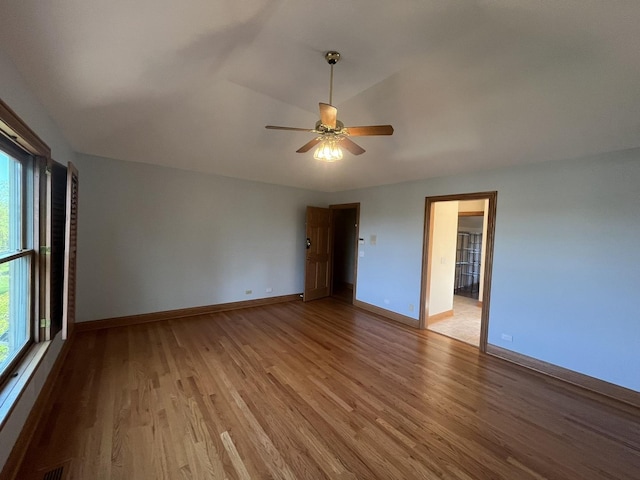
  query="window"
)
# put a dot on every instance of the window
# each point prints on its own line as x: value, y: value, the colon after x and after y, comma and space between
x: 16, y: 254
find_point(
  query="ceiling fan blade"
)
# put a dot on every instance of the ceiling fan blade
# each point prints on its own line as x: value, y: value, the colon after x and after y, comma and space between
x: 309, y: 145
x: 370, y: 130
x: 273, y: 127
x: 352, y: 146
x: 328, y: 115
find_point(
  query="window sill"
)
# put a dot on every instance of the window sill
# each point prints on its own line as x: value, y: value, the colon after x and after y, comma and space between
x: 12, y: 391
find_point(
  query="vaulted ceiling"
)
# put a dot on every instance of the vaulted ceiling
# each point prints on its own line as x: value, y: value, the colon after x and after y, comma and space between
x: 467, y: 85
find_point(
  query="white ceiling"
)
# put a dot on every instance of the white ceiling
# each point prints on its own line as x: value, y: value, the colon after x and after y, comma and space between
x: 468, y: 85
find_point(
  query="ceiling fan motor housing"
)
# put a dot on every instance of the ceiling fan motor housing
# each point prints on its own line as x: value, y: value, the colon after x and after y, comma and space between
x: 322, y: 128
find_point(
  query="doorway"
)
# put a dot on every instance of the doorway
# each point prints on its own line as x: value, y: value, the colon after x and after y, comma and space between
x: 457, y: 265
x: 344, y: 220
x: 331, y: 262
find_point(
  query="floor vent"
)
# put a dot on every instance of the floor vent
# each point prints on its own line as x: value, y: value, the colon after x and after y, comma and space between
x: 55, y: 474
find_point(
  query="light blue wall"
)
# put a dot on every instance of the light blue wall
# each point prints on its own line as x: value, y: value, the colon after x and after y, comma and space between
x: 566, y: 271
x: 154, y: 238
x: 389, y: 272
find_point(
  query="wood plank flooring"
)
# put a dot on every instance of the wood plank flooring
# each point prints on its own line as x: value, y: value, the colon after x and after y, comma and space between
x: 317, y: 391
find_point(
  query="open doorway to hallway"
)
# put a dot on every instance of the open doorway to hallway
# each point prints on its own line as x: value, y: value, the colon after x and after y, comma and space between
x: 463, y: 321
x: 457, y: 265
x: 344, y: 221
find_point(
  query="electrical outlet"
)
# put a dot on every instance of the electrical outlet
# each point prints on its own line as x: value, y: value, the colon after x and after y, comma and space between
x: 506, y: 337
x: 387, y: 301
x: 269, y: 290
x: 248, y: 292
x: 411, y: 307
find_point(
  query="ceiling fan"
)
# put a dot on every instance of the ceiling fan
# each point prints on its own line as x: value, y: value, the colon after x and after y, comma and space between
x: 332, y: 134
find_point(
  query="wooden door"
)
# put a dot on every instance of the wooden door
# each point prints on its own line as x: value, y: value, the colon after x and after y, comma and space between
x: 318, y: 265
x: 71, y: 229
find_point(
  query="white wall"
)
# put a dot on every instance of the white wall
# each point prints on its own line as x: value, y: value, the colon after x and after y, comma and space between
x: 470, y: 224
x: 566, y: 258
x: 19, y: 98
x: 443, y: 253
x: 472, y: 206
x: 153, y: 238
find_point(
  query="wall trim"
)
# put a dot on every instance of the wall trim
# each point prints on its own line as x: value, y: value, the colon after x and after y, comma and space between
x: 180, y: 313
x: 440, y: 316
x: 388, y: 314
x: 40, y: 407
x: 596, y: 385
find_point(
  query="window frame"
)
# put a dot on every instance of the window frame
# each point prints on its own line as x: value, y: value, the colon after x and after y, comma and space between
x: 25, y: 249
x: 20, y: 140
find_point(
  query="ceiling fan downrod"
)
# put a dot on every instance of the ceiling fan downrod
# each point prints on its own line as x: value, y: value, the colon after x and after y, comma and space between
x: 332, y: 58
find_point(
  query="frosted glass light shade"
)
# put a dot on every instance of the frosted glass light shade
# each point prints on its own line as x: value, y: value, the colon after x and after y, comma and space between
x: 328, y: 150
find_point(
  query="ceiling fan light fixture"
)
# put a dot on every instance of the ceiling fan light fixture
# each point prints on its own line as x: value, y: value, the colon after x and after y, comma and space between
x: 332, y: 131
x: 328, y: 150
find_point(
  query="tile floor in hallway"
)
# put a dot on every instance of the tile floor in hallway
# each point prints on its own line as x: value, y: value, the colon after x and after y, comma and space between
x: 464, y: 325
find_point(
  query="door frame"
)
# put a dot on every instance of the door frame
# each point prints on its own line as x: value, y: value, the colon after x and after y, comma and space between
x: 346, y: 206
x: 487, y: 260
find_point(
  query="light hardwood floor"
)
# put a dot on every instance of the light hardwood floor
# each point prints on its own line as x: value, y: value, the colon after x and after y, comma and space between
x: 313, y: 391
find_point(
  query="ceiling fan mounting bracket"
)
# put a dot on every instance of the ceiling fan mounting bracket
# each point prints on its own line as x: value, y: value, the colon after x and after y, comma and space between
x: 332, y: 57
